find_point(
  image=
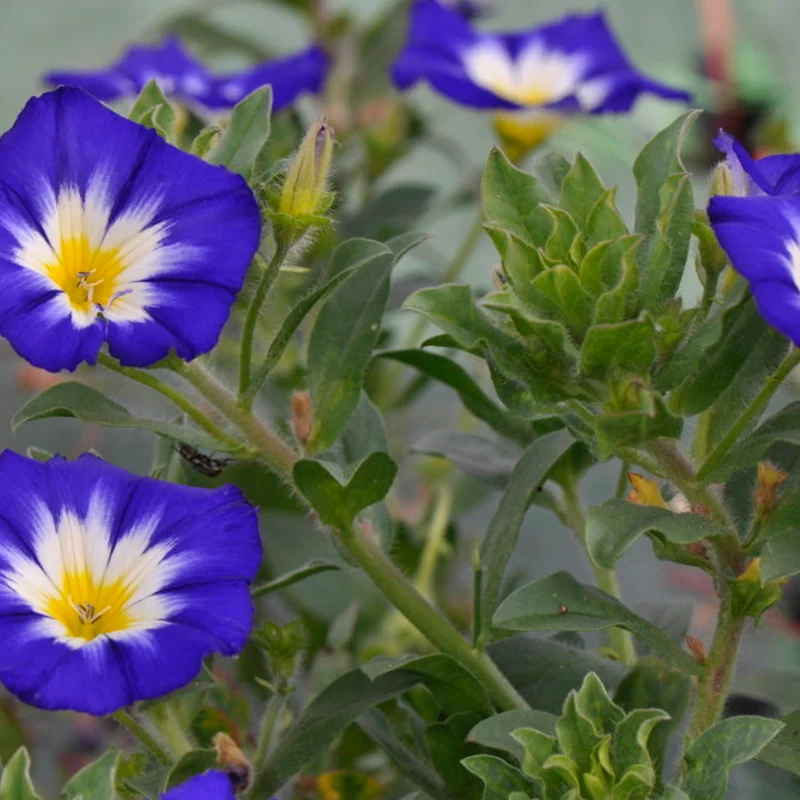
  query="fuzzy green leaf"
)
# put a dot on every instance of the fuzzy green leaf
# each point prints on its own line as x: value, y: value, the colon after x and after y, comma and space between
x: 337, y: 504
x: 15, y: 782
x: 95, y: 781
x: 712, y: 756
x: 82, y: 402
x: 560, y: 603
x: 248, y: 129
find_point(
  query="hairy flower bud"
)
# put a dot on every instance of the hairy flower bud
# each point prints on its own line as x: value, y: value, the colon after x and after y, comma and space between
x: 722, y: 181
x: 305, y: 188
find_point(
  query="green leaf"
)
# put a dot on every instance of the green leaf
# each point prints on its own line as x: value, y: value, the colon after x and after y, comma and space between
x: 545, y: 671
x: 478, y: 456
x: 673, y: 793
x: 15, y: 782
x: 78, y: 401
x: 581, y: 190
x: 495, y: 731
x: 248, y: 130
x: 341, y: 344
x: 453, y: 308
x: 576, y: 736
x: 500, y: 777
x: 686, y: 360
x: 309, y: 569
x: 783, y: 752
x: 652, y: 684
x: 780, y: 557
x: 153, y: 110
x: 562, y: 240
x: 627, y: 347
x: 315, y: 730
x: 621, y: 300
x: 522, y: 262
x: 205, y: 141
x: 512, y: 200
x: 561, y: 297
x: 95, y: 781
x: 501, y: 537
x: 472, y: 396
x: 743, y: 329
x: 712, y: 756
x: 447, y: 744
x: 453, y: 688
x: 631, y: 738
x: 659, y: 159
x: 337, y: 504
x: 613, y: 527
x: 560, y: 603
x: 668, y: 251
x: 594, y: 704
x: 605, y: 222
x: 195, y: 762
x: 376, y: 726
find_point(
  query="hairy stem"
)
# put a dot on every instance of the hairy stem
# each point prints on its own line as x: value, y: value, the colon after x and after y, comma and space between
x: 268, y: 274
x: 391, y: 581
x: 139, y: 732
x: 277, y: 453
x: 619, y: 640
x: 176, y: 397
x: 757, y: 405
x: 712, y: 688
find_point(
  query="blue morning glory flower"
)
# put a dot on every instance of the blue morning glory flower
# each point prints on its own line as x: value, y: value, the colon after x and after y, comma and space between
x: 761, y: 236
x: 110, y: 234
x: 114, y: 588
x: 771, y: 175
x: 209, y: 786
x: 182, y: 76
x: 568, y: 66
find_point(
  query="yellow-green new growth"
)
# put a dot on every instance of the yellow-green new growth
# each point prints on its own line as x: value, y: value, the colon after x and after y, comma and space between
x: 305, y: 189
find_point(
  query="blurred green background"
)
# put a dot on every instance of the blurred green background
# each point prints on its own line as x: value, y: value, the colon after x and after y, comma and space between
x: 661, y: 36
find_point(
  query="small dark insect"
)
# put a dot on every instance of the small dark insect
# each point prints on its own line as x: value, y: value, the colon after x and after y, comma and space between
x: 562, y: 609
x: 202, y: 463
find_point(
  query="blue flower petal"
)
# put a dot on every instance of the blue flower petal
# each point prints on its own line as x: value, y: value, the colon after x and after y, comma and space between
x: 114, y: 588
x: 759, y: 234
x: 780, y: 307
x: 573, y: 64
x: 145, y: 217
x: 289, y: 77
x: 181, y: 75
x: 209, y: 786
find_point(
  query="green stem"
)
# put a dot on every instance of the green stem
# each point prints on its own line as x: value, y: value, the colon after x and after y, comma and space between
x: 139, y: 732
x: 622, y: 480
x: 269, y: 723
x: 757, y: 405
x: 268, y: 274
x: 619, y: 640
x: 712, y: 687
x: 437, y: 532
x: 171, y: 731
x: 277, y: 453
x: 391, y: 581
x: 176, y: 397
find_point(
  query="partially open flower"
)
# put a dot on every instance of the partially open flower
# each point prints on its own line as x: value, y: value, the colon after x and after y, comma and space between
x: 645, y: 492
x: 772, y: 175
x: 188, y: 80
x: 114, y: 588
x: 534, y: 77
x: 109, y: 234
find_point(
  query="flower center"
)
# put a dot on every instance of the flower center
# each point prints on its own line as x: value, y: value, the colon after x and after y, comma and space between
x: 89, y: 276
x: 87, y: 610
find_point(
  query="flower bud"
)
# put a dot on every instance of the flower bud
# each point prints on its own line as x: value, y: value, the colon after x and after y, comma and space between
x: 768, y: 481
x: 284, y: 645
x: 305, y: 188
x: 722, y: 181
x: 645, y: 492
x: 302, y: 417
